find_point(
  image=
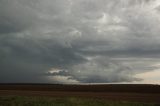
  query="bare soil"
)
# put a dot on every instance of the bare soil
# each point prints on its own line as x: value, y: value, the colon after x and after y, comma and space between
x: 136, y: 93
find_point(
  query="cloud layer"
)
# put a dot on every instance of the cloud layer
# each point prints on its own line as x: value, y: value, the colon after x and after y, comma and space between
x: 87, y: 41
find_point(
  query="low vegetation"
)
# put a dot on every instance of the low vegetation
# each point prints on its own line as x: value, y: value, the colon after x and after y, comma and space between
x: 70, y: 101
x: 138, y: 88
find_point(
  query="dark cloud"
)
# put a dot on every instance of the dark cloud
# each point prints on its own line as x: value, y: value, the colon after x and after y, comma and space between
x: 87, y: 41
x: 15, y: 17
x: 98, y: 70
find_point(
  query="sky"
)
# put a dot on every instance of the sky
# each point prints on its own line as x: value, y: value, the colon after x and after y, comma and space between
x: 80, y: 41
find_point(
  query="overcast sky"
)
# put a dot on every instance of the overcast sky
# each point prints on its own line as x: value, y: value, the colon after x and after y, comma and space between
x: 80, y: 41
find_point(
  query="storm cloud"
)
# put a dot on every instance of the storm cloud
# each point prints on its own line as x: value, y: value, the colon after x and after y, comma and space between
x: 78, y: 41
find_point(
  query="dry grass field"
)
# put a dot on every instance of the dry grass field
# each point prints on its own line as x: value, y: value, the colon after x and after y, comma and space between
x: 119, y: 92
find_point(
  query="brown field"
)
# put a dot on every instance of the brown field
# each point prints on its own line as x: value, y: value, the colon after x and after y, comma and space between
x: 124, y: 92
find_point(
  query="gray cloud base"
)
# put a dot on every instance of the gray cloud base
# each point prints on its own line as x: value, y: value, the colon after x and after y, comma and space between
x: 95, y: 41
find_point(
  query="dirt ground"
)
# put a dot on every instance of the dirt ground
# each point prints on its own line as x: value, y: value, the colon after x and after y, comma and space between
x: 137, y: 97
x: 108, y: 95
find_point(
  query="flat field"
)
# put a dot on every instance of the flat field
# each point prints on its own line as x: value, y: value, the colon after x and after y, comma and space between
x: 142, y: 94
x: 68, y: 101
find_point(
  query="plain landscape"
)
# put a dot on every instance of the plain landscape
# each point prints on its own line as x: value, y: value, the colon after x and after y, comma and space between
x: 115, y: 93
x: 79, y: 52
